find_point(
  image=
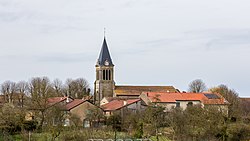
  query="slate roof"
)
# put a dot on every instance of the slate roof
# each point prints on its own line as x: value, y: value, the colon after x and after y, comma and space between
x: 104, y: 55
x: 118, y: 104
x: 173, y: 97
x: 137, y: 90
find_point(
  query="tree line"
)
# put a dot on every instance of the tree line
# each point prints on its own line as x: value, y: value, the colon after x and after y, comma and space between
x: 194, y: 123
x: 18, y: 98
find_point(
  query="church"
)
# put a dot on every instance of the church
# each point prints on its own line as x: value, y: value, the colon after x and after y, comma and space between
x: 112, y: 97
x: 105, y: 85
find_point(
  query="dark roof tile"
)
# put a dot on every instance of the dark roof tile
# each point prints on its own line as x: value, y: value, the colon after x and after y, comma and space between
x: 104, y: 55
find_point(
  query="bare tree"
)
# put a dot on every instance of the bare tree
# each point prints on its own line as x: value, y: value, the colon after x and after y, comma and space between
x: 22, y: 87
x: 58, y: 87
x: 22, y: 90
x: 8, y: 88
x: 77, y: 88
x: 40, y: 90
x: 197, y: 86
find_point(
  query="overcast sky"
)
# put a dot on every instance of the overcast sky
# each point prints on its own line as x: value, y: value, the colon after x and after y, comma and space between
x: 152, y: 42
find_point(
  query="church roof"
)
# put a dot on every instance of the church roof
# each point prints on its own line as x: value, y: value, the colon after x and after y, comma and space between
x: 137, y: 90
x: 104, y: 55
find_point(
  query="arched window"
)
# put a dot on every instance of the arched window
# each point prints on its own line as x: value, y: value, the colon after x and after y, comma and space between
x: 103, y: 75
x: 110, y: 74
x: 106, y: 74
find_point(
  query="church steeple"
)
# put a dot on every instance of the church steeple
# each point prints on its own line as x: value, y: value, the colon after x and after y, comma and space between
x: 104, y: 83
x: 104, y: 56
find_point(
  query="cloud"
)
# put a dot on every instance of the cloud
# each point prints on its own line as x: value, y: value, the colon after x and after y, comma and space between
x: 49, y: 58
x: 47, y: 22
x: 63, y: 58
x: 234, y: 39
x: 214, y: 39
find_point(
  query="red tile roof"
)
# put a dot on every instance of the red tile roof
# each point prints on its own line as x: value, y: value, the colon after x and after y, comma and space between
x: 137, y: 90
x: 74, y: 103
x: 173, y: 97
x: 54, y: 100
x: 118, y: 104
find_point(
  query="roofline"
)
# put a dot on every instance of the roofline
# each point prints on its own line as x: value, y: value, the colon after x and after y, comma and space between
x: 163, y: 102
x: 216, y: 104
x: 122, y: 106
x: 76, y: 105
x: 144, y: 85
x: 188, y: 100
x: 81, y: 103
x: 129, y: 95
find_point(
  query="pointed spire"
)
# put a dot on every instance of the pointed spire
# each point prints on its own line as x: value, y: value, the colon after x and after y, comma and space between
x: 104, y: 57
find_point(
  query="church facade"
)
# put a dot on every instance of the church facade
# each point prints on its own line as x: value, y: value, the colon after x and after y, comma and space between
x: 105, y: 86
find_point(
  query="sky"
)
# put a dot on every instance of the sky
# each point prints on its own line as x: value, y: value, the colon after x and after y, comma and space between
x: 152, y: 42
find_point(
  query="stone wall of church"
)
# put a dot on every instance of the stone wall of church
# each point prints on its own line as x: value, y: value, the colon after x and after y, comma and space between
x: 104, y: 88
x: 107, y: 88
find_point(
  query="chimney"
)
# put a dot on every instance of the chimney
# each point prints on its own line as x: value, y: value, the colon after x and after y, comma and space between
x: 67, y: 100
x: 125, y: 102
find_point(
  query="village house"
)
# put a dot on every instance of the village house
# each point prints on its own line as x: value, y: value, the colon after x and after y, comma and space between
x: 122, y: 106
x: 183, y: 100
x: 77, y: 108
x: 81, y: 109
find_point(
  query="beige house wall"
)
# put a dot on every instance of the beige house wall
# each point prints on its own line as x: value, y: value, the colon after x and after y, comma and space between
x: 82, y: 110
x: 167, y: 106
x: 183, y: 104
x: 104, y: 101
x: 132, y: 108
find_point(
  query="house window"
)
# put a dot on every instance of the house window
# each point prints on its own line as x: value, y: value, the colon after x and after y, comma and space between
x: 178, y: 104
x: 86, y: 123
x: 66, y: 122
x: 190, y: 104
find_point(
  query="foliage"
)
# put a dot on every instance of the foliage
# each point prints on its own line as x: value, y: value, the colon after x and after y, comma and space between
x: 11, y: 118
x: 232, y: 97
x: 197, y: 122
x: 115, y: 121
x: 95, y: 116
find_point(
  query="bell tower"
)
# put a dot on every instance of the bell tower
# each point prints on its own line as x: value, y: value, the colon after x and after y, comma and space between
x: 104, y: 83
